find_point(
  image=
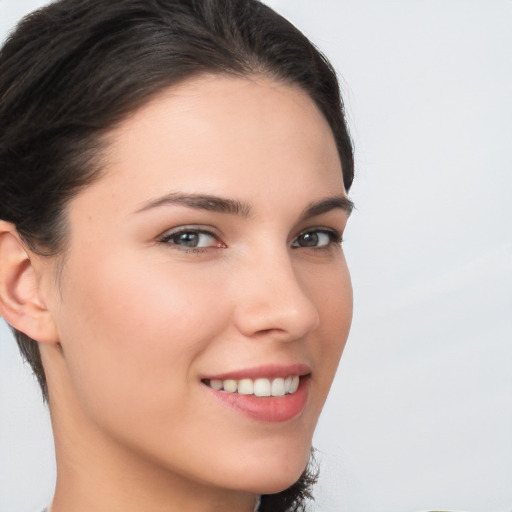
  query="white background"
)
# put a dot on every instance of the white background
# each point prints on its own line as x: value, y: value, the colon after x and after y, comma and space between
x: 420, y: 416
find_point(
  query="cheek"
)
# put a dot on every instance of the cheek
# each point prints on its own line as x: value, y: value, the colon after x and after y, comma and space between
x: 334, y: 300
x: 131, y: 332
x: 331, y: 291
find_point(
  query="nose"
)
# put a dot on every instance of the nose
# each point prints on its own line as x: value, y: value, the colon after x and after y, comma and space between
x: 272, y: 301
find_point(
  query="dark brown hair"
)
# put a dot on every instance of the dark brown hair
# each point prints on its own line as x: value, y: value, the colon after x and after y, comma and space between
x: 74, y: 69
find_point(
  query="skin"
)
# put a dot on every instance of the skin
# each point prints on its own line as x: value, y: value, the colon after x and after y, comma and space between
x: 136, y: 320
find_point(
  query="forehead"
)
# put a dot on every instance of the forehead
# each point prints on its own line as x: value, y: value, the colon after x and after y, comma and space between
x: 224, y: 135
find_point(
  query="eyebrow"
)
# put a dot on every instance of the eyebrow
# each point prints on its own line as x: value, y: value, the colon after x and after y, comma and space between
x: 326, y: 205
x: 234, y: 207
x: 202, y: 202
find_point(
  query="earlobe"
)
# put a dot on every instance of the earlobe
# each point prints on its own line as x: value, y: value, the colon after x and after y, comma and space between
x: 21, y: 304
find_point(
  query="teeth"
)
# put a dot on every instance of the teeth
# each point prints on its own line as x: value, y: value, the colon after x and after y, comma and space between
x: 230, y: 386
x: 294, y: 385
x: 245, y: 387
x: 288, y: 384
x: 257, y: 387
x: 278, y: 387
x: 216, y: 384
x: 262, y: 387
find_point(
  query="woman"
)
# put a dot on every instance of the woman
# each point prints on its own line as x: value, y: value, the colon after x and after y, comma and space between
x: 173, y: 178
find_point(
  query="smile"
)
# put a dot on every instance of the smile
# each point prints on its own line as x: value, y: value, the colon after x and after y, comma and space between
x: 265, y: 399
x: 260, y: 387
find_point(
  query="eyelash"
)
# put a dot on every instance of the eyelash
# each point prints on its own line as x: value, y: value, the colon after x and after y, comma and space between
x: 335, y: 239
x: 334, y: 236
x: 167, y: 238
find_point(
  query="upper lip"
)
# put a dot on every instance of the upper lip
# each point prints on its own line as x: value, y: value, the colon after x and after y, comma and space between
x: 269, y: 371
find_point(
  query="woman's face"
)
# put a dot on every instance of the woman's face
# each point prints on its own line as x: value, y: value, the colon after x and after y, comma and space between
x: 207, y: 254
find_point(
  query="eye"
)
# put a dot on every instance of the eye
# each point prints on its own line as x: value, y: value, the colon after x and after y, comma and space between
x: 190, y: 238
x: 317, y: 238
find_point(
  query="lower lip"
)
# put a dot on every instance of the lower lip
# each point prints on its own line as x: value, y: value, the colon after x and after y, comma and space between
x: 271, y: 409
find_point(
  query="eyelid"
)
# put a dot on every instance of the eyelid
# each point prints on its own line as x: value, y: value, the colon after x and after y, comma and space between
x: 324, y: 229
x: 335, y: 235
x: 166, y: 236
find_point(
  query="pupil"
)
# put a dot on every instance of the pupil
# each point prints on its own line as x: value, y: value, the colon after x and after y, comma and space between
x: 310, y: 239
x: 188, y: 239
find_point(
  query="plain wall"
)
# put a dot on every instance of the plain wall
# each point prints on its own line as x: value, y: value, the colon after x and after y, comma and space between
x: 420, y: 415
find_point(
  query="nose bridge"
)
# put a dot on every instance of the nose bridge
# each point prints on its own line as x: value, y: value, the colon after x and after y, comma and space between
x: 273, y: 300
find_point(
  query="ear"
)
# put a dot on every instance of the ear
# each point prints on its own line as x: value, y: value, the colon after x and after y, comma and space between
x: 20, y: 296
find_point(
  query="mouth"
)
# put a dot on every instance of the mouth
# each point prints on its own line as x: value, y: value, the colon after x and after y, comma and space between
x: 260, y: 387
x: 267, y: 393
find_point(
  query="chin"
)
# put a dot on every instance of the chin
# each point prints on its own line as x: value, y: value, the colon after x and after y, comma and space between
x: 273, y: 475
x: 278, y: 484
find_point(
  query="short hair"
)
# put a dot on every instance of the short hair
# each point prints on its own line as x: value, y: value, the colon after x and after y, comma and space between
x: 74, y: 69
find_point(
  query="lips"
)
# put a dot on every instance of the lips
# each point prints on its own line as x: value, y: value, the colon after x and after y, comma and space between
x: 269, y: 371
x: 266, y: 393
